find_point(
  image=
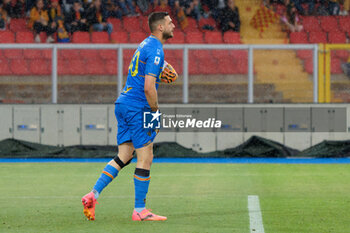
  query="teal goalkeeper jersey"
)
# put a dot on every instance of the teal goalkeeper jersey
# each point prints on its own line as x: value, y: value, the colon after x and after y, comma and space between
x: 148, y: 59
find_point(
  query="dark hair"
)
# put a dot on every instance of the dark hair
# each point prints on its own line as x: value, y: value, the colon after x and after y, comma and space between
x: 154, y: 18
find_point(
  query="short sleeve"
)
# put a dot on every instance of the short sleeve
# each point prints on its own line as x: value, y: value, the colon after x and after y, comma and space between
x: 154, y: 62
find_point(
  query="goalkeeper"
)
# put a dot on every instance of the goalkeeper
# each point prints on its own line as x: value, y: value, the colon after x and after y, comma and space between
x: 139, y: 95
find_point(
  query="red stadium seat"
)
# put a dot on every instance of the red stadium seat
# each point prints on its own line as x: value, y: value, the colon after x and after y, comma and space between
x: 304, y: 54
x: 24, y: 37
x: 227, y: 66
x: 62, y: 67
x: 68, y: 54
x: 239, y: 54
x: 108, y: 54
x: 336, y: 66
x: 32, y: 53
x: 311, y: 24
x: 242, y: 66
x: 4, y: 67
x: 144, y: 25
x: 309, y: 66
x: 18, y: 25
x: 342, y: 54
x: 111, y: 67
x: 179, y: 38
x: 13, y: 53
x: 90, y: 54
x: 198, y: 54
x: 213, y: 37
x: 19, y: 67
x: 7, y: 37
x: 43, y: 37
x: 178, y: 54
x: 47, y: 53
x: 95, y: 66
x: 192, y: 25
x: 337, y: 37
x: 168, y: 53
x: 232, y: 38
x: 127, y: 55
x: 81, y: 37
x: 207, y: 65
x: 329, y: 24
x: 205, y: 22
x: 100, y: 37
x: 119, y: 37
x: 137, y: 37
x: 76, y: 67
x: 194, y: 37
x: 193, y: 68
x: 220, y: 54
x: 317, y: 37
x: 344, y: 23
x: 117, y: 24
x: 132, y: 24
x: 40, y: 67
x: 298, y: 38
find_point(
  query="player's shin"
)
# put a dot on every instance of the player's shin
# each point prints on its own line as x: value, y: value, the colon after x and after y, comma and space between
x: 141, y: 181
x: 108, y: 174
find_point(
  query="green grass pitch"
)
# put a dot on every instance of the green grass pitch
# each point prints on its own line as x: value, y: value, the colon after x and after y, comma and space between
x: 45, y: 197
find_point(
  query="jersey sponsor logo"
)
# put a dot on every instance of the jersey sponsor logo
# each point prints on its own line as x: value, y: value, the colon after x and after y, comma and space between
x: 156, y: 60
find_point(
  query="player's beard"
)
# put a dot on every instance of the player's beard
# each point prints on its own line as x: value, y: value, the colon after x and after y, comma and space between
x: 167, y: 35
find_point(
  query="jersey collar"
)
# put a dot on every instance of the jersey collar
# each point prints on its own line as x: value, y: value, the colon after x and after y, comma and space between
x: 152, y: 36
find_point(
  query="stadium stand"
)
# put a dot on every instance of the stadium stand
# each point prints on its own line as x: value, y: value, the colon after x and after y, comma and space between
x: 272, y: 68
x: 24, y: 37
x: 81, y: 37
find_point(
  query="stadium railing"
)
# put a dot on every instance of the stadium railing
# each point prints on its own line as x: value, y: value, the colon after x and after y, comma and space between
x: 185, y: 48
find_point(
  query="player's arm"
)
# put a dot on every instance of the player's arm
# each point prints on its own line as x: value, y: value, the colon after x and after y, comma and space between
x: 151, y: 92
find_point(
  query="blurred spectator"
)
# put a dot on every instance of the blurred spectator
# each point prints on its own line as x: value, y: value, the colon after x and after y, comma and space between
x: 87, y: 3
x: 30, y: 4
x: 97, y: 18
x: 310, y: 4
x: 291, y: 18
x: 343, y: 7
x: 3, y: 18
x: 192, y: 8
x: 322, y: 8
x: 75, y: 20
x: 7, y: 6
x: 180, y: 15
x: 20, y: 9
x: 127, y: 7
x: 62, y: 34
x: 55, y: 14
x: 216, y: 7
x: 113, y: 9
x: 333, y: 7
x: 229, y: 18
x: 39, y: 22
x: 56, y: 19
x: 68, y: 4
x: 144, y: 5
x: 346, y: 67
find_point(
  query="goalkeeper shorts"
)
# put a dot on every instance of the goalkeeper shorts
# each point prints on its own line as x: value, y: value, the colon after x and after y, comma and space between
x: 131, y: 127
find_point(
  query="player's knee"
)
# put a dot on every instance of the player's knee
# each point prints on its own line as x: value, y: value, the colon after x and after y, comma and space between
x: 121, y: 163
x: 145, y: 163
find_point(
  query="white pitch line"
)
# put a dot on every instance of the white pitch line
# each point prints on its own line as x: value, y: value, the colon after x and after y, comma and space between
x: 255, y: 216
